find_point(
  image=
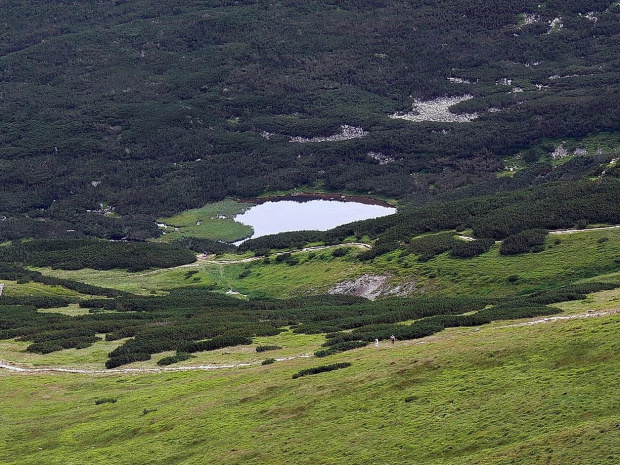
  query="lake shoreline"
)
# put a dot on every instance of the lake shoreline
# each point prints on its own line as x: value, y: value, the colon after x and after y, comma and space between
x: 309, y: 196
x: 308, y: 213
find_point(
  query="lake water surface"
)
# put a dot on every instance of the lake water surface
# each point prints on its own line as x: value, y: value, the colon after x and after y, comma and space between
x: 319, y: 215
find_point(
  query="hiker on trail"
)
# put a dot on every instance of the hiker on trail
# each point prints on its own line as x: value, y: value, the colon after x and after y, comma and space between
x: 376, y: 342
x: 393, y: 339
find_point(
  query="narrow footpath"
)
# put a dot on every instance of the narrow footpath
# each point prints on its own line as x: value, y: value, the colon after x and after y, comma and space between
x: 15, y: 368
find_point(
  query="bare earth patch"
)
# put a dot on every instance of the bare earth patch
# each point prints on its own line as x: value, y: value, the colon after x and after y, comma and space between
x: 371, y: 286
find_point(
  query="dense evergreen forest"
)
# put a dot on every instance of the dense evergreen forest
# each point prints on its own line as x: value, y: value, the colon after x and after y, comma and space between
x: 115, y: 113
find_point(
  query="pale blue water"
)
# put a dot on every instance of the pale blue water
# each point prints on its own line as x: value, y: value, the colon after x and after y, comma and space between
x: 319, y: 215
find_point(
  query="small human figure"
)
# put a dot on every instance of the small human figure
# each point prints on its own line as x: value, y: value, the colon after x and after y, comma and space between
x: 393, y: 339
x: 376, y: 342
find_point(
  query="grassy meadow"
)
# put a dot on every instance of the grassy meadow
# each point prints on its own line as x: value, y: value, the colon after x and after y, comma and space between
x: 498, y: 394
x: 213, y: 221
x: 502, y: 393
x: 567, y: 258
x: 315, y: 272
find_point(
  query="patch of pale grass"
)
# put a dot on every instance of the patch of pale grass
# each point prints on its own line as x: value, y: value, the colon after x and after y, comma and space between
x: 71, y: 310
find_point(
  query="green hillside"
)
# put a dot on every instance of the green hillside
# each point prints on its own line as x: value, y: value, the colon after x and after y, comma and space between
x: 498, y: 358
x: 478, y: 325
x: 500, y: 394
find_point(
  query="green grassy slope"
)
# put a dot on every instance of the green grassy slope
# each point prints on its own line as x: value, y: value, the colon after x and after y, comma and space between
x: 542, y: 393
x: 502, y: 393
x: 578, y: 255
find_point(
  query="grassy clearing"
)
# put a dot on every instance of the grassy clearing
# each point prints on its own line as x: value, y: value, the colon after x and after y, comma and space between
x: 90, y: 358
x: 315, y: 273
x: 497, y: 394
x: 71, y: 310
x: 608, y: 142
x: 512, y: 165
x: 599, y: 301
x: 536, y: 394
x: 149, y: 282
x: 14, y: 289
x: 213, y: 221
x: 577, y: 256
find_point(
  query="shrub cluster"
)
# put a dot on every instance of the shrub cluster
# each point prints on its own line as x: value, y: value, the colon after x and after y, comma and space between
x: 467, y: 249
x: 52, y: 341
x: 266, y: 348
x: 340, y: 347
x: 340, y: 251
x: 101, y: 255
x: 217, y: 342
x: 516, y: 310
x: 178, y: 357
x: 207, y: 246
x: 431, y: 245
x: 39, y: 301
x: 321, y: 369
x: 327, y: 319
x: 125, y: 359
x: 525, y: 241
x: 54, y: 346
x: 523, y: 307
x: 105, y: 400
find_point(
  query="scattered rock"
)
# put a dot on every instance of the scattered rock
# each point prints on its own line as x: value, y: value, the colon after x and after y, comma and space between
x: 590, y: 16
x: 529, y: 18
x: 368, y: 286
x: 437, y: 110
x: 381, y: 158
x: 103, y: 210
x: 231, y: 292
x: 555, y: 25
x: 559, y: 152
x: 457, y: 80
x: 347, y: 132
x: 372, y: 286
